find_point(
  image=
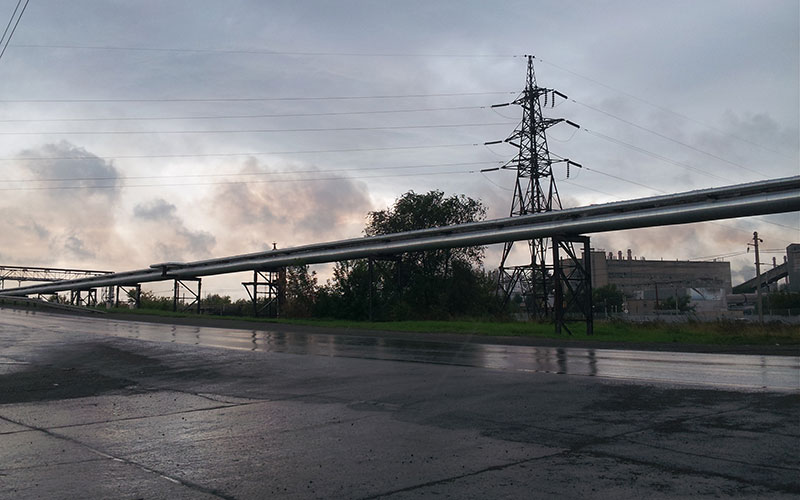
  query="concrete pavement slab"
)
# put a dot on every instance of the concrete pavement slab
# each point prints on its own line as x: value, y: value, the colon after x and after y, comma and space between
x: 34, y: 448
x: 99, y: 409
x: 97, y: 479
x: 577, y: 476
x: 299, y: 449
x: 157, y: 419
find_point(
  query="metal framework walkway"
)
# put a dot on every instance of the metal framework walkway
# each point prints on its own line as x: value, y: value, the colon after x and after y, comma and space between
x: 43, y: 274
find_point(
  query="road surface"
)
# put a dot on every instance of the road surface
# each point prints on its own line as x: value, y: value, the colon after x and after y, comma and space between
x: 97, y: 408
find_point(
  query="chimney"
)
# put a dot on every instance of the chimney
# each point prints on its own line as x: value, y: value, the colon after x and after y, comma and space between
x: 619, y: 254
x: 629, y: 254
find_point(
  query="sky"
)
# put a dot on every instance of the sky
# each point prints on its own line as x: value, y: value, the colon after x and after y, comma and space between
x: 140, y: 132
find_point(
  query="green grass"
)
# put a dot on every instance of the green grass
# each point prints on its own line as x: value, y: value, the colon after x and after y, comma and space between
x: 689, y: 333
x: 718, y: 333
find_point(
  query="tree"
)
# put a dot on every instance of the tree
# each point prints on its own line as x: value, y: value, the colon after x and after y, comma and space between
x: 218, y: 304
x: 783, y: 302
x: 149, y: 300
x: 668, y: 304
x: 301, y: 292
x: 608, y: 298
x: 414, y: 211
x: 415, y: 285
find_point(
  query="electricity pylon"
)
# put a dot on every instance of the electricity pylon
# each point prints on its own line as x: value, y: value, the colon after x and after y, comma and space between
x: 535, y: 191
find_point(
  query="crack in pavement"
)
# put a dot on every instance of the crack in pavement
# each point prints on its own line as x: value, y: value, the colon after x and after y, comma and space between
x: 188, y: 484
x: 29, y: 467
x: 693, y: 472
x: 701, y: 455
x: 581, y: 449
x: 460, y: 476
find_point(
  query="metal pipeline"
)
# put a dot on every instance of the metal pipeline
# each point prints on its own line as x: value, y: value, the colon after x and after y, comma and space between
x: 776, y: 196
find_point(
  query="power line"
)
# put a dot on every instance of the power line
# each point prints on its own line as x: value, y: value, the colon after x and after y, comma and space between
x: 261, y: 181
x: 797, y: 229
x: 735, y: 254
x: 10, y: 20
x: 689, y: 146
x: 622, y: 179
x: 235, y: 154
x: 14, y: 29
x: 256, y: 99
x: 661, y: 108
x: 225, y: 117
x: 256, y: 51
x: 590, y: 189
x: 653, y: 155
x: 259, y: 131
x: 720, y: 224
x: 247, y: 174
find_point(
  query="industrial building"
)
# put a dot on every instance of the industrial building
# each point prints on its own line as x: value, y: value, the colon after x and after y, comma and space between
x: 647, y: 284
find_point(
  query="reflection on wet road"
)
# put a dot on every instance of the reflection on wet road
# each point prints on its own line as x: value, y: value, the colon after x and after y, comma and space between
x: 731, y: 371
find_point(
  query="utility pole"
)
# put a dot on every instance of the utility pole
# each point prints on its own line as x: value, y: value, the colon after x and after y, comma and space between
x: 756, y: 241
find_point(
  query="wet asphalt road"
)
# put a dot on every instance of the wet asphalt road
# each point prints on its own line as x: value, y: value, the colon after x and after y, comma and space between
x: 779, y: 373
x: 91, y: 408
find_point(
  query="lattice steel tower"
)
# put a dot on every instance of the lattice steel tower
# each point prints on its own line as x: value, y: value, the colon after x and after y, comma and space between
x: 535, y: 191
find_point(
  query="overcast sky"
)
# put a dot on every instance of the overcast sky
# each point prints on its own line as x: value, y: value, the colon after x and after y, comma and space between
x: 670, y: 96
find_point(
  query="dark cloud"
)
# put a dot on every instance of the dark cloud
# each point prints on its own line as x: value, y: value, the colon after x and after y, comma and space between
x: 158, y: 209
x: 71, y: 172
x: 168, y: 237
x: 77, y: 249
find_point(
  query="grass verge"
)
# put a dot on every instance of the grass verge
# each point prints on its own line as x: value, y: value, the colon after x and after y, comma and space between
x: 714, y: 333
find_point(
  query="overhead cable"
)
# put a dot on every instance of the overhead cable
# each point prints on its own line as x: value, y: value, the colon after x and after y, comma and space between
x: 661, y: 108
x: 233, y: 154
x: 5, y: 41
x: 257, y: 130
x: 257, y: 51
x: 250, y: 174
x: 622, y: 179
x: 653, y: 155
x: 255, y: 99
x: 688, y: 146
x: 227, y: 117
x: 257, y: 181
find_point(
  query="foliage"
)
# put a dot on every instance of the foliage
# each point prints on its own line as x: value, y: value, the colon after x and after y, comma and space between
x: 716, y: 333
x: 57, y: 299
x: 668, y: 304
x: 149, y: 300
x: 783, y: 301
x: 417, y: 285
x: 301, y: 292
x: 607, y: 299
x: 414, y: 211
x: 222, y: 305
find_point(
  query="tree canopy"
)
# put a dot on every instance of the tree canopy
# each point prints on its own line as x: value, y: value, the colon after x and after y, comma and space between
x: 417, y: 285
